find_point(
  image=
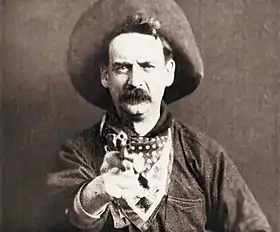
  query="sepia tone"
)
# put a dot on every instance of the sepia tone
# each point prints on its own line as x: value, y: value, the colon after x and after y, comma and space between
x: 237, y: 103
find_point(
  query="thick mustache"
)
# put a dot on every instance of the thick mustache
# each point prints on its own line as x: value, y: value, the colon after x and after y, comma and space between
x: 134, y: 95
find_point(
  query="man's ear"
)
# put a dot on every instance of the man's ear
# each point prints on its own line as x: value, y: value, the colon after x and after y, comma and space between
x: 104, y: 75
x: 170, y: 69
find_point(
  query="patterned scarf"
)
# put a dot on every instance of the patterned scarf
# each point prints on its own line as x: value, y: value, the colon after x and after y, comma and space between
x: 148, y: 151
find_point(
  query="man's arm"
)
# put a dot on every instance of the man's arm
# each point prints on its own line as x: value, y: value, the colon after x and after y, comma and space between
x: 92, y: 180
x: 230, y: 204
x: 90, y: 206
x: 71, y: 184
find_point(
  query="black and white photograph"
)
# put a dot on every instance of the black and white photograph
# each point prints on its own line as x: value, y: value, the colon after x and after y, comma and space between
x: 140, y: 116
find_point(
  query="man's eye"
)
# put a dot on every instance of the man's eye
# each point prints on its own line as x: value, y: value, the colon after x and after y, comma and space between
x: 147, y: 66
x: 122, y: 68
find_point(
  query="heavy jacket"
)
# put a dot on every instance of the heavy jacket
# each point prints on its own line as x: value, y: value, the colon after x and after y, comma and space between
x: 206, y: 191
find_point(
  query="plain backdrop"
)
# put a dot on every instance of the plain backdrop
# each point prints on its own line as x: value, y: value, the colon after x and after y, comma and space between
x: 237, y: 104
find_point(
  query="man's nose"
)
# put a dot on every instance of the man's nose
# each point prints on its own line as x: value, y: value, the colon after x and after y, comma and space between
x: 136, y: 76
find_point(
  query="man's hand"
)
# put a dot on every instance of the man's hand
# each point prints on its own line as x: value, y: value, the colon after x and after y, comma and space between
x: 119, y: 178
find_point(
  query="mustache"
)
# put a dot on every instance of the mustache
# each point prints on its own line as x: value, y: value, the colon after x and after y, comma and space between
x: 134, y: 95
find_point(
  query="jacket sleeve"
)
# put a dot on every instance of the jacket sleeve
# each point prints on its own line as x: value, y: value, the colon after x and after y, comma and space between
x: 230, y: 204
x: 77, y: 168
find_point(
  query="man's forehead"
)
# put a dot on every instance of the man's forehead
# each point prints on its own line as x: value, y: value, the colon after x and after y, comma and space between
x: 135, y: 46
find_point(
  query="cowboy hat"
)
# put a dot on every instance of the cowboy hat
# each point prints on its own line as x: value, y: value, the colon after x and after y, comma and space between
x: 91, y: 33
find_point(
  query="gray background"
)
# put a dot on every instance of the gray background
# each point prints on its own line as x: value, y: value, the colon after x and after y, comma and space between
x: 237, y: 104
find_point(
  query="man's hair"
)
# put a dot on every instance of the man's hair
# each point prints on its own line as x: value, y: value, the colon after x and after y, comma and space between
x: 140, y: 23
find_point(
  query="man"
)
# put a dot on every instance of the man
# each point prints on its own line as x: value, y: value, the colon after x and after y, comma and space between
x: 139, y: 169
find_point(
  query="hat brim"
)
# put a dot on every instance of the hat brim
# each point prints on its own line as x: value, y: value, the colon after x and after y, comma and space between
x: 92, y: 32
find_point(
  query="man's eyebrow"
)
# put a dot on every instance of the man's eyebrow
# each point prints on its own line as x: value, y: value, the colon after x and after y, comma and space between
x: 119, y: 63
x: 145, y: 62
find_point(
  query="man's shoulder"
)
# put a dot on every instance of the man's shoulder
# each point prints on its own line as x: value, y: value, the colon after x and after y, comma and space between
x: 86, y: 137
x: 199, y: 143
x: 91, y: 131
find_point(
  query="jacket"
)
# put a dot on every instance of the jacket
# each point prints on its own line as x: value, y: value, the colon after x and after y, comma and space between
x: 206, y: 190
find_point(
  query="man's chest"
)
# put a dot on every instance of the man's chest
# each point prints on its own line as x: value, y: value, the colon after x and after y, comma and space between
x: 185, y: 205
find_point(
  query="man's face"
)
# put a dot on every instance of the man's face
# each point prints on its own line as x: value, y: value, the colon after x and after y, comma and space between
x: 137, y: 73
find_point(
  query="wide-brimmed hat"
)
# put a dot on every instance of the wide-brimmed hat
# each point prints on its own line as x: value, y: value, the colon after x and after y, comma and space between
x: 91, y: 33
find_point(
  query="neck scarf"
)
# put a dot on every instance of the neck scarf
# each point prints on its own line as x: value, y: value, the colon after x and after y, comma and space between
x: 150, y: 150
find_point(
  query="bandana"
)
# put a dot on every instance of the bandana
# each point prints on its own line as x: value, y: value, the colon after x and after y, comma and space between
x: 152, y: 156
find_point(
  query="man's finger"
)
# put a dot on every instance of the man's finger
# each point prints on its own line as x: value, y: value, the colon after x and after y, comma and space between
x: 127, y: 165
x: 110, y: 161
